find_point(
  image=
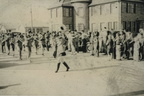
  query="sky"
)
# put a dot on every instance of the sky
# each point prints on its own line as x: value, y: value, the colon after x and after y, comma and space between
x: 17, y: 12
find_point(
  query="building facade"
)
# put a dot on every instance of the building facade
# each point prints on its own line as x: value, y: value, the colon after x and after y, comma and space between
x: 74, y: 14
x: 36, y: 29
x: 97, y: 15
x: 116, y: 15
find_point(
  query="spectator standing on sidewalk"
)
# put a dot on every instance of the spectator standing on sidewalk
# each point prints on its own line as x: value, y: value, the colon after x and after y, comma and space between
x: 118, y: 46
x: 136, y: 55
x: 109, y: 45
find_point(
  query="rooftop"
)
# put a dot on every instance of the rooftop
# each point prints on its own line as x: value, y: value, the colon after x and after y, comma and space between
x: 60, y: 3
x: 95, y: 2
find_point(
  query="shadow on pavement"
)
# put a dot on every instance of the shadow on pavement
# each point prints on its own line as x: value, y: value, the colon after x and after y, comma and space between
x: 4, y: 87
x: 12, y: 60
x: 6, y: 65
x: 135, y: 93
x: 94, y: 68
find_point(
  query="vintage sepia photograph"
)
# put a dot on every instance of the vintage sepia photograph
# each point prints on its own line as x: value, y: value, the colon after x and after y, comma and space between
x: 71, y: 47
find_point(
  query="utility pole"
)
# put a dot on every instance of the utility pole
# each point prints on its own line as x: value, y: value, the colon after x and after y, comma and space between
x: 31, y: 20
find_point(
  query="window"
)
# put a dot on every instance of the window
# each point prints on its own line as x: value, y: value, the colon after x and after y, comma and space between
x: 134, y: 9
x: 124, y: 7
x: 51, y: 13
x: 124, y: 25
x: 115, y: 25
x: 67, y: 12
x: 129, y: 25
x: 133, y: 24
x: 102, y: 25
x: 107, y: 9
x: 131, y: 8
x: 69, y: 26
x: 109, y: 25
x: 71, y: 11
x: 142, y: 8
x: 39, y: 30
x: 100, y: 9
x: 128, y: 7
x: 110, y: 8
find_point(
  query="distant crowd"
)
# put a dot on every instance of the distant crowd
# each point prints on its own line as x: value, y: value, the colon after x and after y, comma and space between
x: 116, y: 45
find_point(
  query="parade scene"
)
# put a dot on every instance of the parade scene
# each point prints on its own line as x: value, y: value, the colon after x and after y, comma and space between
x: 81, y: 54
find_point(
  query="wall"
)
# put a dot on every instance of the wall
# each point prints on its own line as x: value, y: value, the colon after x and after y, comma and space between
x: 101, y: 14
x: 56, y: 18
x: 134, y: 17
x: 81, y: 18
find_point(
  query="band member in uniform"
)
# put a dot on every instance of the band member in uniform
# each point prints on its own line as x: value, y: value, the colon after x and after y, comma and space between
x: 61, y: 54
x: 13, y: 42
x: 36, y: 42
x: 3, y: 43
x: 29, y: 45
x: 43, y: 42
x: 48, y: 41
x: 8, y: 42
x: 20, y: 45
x: 96, y: 44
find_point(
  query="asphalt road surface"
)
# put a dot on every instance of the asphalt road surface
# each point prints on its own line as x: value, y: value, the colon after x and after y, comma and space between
x: 88, y: 76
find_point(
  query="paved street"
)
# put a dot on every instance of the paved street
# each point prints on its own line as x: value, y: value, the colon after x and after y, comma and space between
x: 88, y: 76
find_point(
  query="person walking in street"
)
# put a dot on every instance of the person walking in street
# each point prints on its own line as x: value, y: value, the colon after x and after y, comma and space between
x: 61, y: 53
